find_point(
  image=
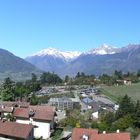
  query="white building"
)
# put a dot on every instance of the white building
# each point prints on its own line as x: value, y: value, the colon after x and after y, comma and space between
x: 42, y: 117
x: 95, y: 115
x: 116, y: 107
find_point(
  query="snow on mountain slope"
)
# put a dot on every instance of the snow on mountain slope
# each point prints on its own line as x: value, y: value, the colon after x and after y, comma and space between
x: 104, y: 49
x: 67, y: 55
x: 105, y: 59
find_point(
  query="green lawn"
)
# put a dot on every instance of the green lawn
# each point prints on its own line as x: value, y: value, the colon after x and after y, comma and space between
x: 114, y: 92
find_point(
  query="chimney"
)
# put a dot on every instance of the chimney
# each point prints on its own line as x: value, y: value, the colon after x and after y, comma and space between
x: 12, y: 108
x: 118, y: 131
x: 2, y: 106
x: 31, y: 112
x: 85, y: 137
x: 104, y: 132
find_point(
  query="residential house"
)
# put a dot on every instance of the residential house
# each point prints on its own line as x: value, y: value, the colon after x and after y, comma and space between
x: 8, y: 107
x: 127, y: 81
x: 92, y: 134
x: 15, y: 131
x: 42, y: 117
x: 83, y: 133
x: 92, y: 105
x: 95, y: 106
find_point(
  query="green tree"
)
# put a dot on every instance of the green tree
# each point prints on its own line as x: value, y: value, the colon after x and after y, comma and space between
x: 106, y: 79
x: 34, y: 100
x: 34, y: 77
x: 8, y: 90
x: 136, y: 115
x: 33, y: 85
x: 50, y: 79
x: 67, y: 78
x: 94, y: 124
x: 78, y: 75
x: 43, y: 78
x: 103, y: 126
x: 56, y: 135
x: 138, y: 73
x: 83, y: 74
x: 118, y: 74
x: 20, y: 90
x: 126, y: 107
x: 108, y: 118
x: 9, y: 117
x: 124, y: 122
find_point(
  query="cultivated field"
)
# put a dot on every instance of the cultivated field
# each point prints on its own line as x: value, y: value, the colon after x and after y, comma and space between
x: 114, y: 92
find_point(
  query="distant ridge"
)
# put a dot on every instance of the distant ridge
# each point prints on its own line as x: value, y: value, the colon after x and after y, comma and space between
x: 105, y: 59
x: 15, y: 67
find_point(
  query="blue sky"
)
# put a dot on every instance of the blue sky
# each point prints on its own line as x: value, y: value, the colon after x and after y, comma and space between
x: 27, y: 26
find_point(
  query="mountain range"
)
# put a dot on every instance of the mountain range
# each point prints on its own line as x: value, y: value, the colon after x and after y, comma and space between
x: 105, y: 59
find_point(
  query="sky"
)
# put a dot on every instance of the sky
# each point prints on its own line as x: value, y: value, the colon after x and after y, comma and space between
x: 27, y: 26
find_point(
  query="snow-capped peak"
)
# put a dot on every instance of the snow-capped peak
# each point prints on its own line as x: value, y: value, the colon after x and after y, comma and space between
x: 71, y: 54
x: 48, y: 51
x: 67, y: 55
x: 104, y: 49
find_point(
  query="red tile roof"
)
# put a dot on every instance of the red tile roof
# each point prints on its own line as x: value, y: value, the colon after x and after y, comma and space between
x: 45, y: 113
x: 92, y: 134
x: 78, y: 133
x: 21, y: 112
x: 13, y: 129
x: 112, y: 136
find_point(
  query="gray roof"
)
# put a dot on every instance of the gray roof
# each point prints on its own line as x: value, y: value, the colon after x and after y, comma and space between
x: 63, y: 99
x: 103, y: 100
x: 95, y: 106
x: 87, y: 100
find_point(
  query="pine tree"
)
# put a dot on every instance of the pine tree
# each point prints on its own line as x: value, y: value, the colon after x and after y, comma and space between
x: 8, y: 90
x: 126, y: 107
x: 137, y: 114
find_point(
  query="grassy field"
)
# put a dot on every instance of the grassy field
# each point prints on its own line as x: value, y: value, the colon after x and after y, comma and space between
x: 114, y: 92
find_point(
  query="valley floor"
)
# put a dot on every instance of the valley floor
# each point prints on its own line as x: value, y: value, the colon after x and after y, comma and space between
x: 115, y: 92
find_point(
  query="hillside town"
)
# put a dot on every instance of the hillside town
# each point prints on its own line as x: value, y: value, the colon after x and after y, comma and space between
x: 19, y: 120
x: 69, y: 69
x: 83, y: 107
x: 41, y: 110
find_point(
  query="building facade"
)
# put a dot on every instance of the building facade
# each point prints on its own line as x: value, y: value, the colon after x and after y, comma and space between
x: 42, y: 117
x: 61, y: 103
